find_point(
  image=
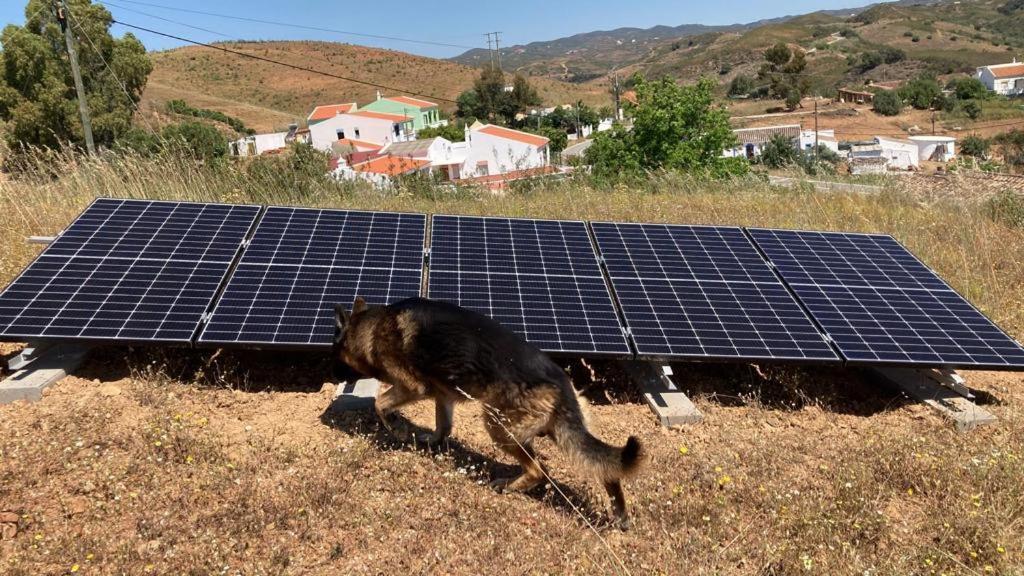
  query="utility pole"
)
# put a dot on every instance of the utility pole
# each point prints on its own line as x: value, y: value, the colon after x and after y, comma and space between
x: 83, y: 106
x: 497, y: 48
x: 933, y: 122
x: 490, y: 51
x: 815, y: 127
x: 618, y: 104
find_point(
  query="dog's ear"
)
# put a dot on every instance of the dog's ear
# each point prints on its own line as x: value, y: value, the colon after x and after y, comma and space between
x: 341, y: 317
x: 359, y: 305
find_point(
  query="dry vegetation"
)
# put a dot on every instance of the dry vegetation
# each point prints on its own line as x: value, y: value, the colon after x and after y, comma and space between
x: 176, y: 461
x: 267, y: 96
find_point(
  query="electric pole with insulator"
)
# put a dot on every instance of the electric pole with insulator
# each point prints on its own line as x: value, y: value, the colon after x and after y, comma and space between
x: 83, y: 106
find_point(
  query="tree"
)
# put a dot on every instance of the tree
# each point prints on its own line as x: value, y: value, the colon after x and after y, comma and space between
x: 969, y: 88
x: 975, y: 146
x: 784, y: 68
x: 558, y: 140
x: 1012, y: 143
x: 922, y: 93
x: 37, y: 95
x: 202, y: 140
x: 888, y: 103
x: 674, y: 127
x: 488, y: 100
x: 453, y: 132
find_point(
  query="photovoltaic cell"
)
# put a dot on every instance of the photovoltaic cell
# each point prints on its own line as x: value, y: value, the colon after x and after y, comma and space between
x: 127, y: 271
x: 301, y: 262
x: 540, y: 278
x: 704, y: 292
x: 881, y: 305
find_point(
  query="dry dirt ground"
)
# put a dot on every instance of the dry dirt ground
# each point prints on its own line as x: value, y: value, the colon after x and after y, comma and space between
x: 163, y: 461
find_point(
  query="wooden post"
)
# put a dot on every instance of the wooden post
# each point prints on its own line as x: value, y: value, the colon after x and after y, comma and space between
x: 83, y: 106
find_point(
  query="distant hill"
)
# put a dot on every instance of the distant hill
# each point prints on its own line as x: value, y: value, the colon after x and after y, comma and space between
x: 941, y: 36
x: 267, y: 96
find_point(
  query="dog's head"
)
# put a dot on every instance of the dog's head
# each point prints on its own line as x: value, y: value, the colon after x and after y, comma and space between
x: 343, y: 328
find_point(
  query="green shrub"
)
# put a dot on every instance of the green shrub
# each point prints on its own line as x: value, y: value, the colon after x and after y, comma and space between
x: 779, y: 153
x: 202, y: 140
x: 888, y: 103
x: 972, y: 109
x: 1007, y: 207
x: 975, y: 146
x: 182, y: 107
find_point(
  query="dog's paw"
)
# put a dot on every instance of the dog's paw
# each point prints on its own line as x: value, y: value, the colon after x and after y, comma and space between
x: 500, y: 485
x: 624, y: 524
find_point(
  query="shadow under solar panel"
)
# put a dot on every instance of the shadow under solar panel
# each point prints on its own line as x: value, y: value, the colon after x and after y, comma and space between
x: 704, y: 293
x: 127, y: 271
x: 301, y: 262
x: 540, y: 278
x: 881, y: 305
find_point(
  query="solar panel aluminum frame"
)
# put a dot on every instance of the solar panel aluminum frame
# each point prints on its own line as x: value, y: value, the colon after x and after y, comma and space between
x: 199, y: 342
x: 712, y: 358
x: 630, y: 352
x: 176, y: 343
x: 885, y: 363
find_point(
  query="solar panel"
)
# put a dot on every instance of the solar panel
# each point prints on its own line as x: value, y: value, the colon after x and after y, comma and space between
x: 301, y: 262
x: 880, y: 304
x: 540, y: 278
x: 704, y: 292
x: 127, y: 271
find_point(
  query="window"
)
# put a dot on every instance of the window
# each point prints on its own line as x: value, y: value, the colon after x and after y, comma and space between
x: 398, y: 129
x: 357, y: 133
x: 341, y: 134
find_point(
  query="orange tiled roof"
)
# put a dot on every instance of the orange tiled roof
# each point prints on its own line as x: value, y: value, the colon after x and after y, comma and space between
x: 509, y: 134
x: 382, y: 116
x: 391, y: 165
x: 414, y: 102
x: 330, y: 111
x: 1007, y: 70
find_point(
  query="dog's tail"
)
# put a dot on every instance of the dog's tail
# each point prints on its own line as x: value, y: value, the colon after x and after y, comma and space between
x: 607, y: 462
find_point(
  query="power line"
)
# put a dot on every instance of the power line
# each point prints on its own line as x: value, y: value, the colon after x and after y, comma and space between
x: 278, y: 62
x: 303, y: 26
x: 148, y: 15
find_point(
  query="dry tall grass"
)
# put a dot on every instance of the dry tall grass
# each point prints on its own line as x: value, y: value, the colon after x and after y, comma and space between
x: 170, y: 461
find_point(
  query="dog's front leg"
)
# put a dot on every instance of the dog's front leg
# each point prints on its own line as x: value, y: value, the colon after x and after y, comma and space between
x: 444, y: 412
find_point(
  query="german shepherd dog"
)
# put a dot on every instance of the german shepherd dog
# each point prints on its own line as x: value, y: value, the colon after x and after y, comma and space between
x: 420, y: 348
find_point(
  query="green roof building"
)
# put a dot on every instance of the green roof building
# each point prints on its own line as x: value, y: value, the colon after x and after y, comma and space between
x: 424, y: 114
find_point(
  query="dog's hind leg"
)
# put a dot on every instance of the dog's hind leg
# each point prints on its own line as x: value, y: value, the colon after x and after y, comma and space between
x: 614, y: 489
x: 520, y: 449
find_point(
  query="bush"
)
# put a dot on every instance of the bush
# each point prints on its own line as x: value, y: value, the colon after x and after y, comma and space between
x: 975, y: 146
x: 139, y: 141
x: 1013, y: 146
x: 742, y: 85
x: 203, y: 140
x: 888, y: 103
x: 779, y: 152
x: 972, y: 109
x: 792, y: 99
x: 453, y: 132
x: 181, y: 107
x: 968, y: 88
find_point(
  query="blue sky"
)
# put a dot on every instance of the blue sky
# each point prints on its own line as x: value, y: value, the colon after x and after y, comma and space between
x: 461, y: 23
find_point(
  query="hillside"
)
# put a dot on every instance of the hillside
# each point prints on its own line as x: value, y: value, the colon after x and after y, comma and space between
x: 267, y: 96
x: 941, y: 37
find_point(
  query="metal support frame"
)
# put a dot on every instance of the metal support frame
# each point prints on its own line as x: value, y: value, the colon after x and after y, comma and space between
x: 38, y: 367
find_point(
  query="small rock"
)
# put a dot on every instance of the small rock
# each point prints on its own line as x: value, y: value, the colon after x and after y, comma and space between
x: 8, y: 518
x: 8, y: 531
x: 110, y: 390
x: 328, y: 389
x: 77, y: 506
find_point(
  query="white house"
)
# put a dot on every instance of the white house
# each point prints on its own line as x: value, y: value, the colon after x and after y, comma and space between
x: 753, y: 140
x: 897, y: 154
x: 259, y: 143
x: 496, y: 150
x: 826, y: 138
x: 445, y: 157
x: 935, y: 148
x: 377, y: 127
x: 1005, y: 79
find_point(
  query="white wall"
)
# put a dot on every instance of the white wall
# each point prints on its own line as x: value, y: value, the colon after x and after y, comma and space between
x: 260, y: 143
x: 374, y: 130
x: 825, y: 137
x: 1004, y: 86
x: 926, y: 148
x: 899, y: 155
x: 501, y: 155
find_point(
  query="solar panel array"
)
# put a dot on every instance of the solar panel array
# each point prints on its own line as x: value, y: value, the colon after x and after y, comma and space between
x: 141, y: 271
x: 704, y: 292
x: 301, y: 262
x: 540, y: 278
x: 880, y: 304
x: 127, y: 270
